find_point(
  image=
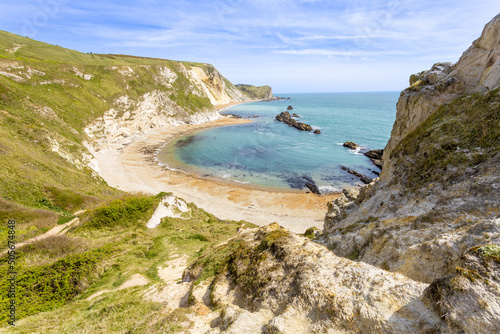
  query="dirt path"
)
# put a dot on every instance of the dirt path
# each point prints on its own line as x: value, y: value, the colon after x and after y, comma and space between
x: 56, y: 230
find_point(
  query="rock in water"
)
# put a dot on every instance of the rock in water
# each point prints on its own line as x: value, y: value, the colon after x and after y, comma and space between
x: 295, y: 115
x: 289, y: 108
x: 351, y: 145
x: 317, y: 132
x: 314, y: 189
x: 376, y: 157
x: 286, y: 118
x: 364, y: 179
x: 374, y: 154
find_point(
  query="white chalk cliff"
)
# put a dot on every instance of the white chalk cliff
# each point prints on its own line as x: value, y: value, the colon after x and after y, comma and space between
x: 412, y: 252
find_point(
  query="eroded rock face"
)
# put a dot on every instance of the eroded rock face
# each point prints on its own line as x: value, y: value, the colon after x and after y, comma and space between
x: 422, y: 229
x: 130, y: 118
x: 478, y: 70
x: 278, y: 282
x: 214, y: 86
x: 469, y: 299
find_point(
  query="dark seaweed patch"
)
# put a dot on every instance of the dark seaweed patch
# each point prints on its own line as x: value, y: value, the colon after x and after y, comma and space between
x: 187, y: 141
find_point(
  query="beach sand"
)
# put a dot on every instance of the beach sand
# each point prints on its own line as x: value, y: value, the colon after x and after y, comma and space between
x: 134, y: 168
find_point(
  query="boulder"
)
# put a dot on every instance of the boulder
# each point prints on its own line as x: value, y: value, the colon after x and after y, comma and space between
x: 351, y: 145
x: 317, y: 132
x: 289, y: 108
x: 376, y: 157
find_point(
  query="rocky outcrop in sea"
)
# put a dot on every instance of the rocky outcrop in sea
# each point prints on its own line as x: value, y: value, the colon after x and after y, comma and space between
x: 286, y: 118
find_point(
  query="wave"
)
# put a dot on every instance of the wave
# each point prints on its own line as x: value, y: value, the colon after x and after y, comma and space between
x: 329, y: 189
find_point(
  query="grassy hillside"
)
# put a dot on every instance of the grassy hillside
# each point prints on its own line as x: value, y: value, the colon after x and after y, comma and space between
x: 256, y: 93
x: 57, y: 275
x: 48, y: 95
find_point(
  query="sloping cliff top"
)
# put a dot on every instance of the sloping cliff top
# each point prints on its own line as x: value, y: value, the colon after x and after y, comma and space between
x: 478, y: 70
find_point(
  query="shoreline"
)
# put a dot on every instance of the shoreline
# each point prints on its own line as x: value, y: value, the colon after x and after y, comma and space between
x: 135, y: 168
x: 231, y: 104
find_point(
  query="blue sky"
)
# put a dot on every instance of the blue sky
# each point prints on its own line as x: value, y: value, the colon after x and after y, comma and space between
x: 294, y: 46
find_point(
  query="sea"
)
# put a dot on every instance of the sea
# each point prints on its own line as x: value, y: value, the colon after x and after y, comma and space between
x: 272, y: 154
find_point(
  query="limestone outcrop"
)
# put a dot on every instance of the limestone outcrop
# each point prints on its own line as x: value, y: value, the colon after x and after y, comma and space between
x: 478, y: 70
x: 469, y: 299
x: 439, y: 190
x: 274, y: 281
x: 130, y: 117
x: 213, y: 85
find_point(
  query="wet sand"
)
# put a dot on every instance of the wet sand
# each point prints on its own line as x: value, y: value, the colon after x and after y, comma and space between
x: 134, y: 168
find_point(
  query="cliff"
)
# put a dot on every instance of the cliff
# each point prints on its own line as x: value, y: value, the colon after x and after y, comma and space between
x: 59, y: 106
x: 478, y: 70
x: 417, y: 251
x: 258, y: 93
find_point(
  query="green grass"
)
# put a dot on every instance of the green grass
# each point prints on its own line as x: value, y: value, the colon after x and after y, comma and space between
x: 116, y: 229
x: 46, y: 287
x: 259, y: 93
x: 459, y: 135
x: 488, y: 251
x: 126, y: 211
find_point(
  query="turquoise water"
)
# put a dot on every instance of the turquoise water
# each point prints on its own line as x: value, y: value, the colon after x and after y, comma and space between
x: 270, y: 153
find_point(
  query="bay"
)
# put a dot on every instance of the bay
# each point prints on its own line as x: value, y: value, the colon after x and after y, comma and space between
x: 272, y: 154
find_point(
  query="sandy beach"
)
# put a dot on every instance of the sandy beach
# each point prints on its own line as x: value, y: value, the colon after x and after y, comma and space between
x: 134, y: 168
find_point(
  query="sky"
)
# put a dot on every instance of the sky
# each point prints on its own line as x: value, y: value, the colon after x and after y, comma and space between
x: 293, y: 46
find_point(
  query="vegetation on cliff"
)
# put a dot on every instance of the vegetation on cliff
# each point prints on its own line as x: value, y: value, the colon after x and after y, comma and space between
x: 459, y: 136
x: 257, y: 92
x: 61, y: 274
x: 49, y: 96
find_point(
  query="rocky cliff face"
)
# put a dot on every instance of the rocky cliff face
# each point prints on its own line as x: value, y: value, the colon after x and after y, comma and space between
x: 274, y: 281
x: 160, y: 107
x: 438, y: 196
x: 440, y: 184
x: 416, y: 251
x: 478, y: 70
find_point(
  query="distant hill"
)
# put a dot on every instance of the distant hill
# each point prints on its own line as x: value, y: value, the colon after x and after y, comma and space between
x: 258, y: 93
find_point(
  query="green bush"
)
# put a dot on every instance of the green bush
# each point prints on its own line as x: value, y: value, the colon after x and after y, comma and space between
x: 44, y: 288
x: 121, y: 212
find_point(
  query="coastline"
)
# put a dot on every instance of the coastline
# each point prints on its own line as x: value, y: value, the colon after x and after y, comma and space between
x: 228, y: 105
x: 134, y: 168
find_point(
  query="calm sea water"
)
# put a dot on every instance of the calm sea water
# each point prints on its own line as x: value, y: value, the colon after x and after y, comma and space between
x: 271, y: 153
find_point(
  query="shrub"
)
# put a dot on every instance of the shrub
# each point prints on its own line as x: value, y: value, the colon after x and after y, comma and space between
x: 46, y: 287
x: 126, y: 211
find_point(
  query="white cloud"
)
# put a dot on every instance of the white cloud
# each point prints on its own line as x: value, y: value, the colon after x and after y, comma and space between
x: 323, y: 52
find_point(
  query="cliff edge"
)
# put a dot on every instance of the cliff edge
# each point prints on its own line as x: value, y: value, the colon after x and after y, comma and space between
x: 417, y: 250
